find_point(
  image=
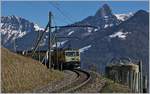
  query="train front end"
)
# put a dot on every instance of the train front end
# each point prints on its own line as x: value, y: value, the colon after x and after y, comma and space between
x: 72, y: 58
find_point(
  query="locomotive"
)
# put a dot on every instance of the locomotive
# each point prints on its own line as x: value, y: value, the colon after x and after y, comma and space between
x: 66, y: 58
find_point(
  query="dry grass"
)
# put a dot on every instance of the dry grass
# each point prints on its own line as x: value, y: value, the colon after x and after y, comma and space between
x: 22, y: 74
x: 111, y: 87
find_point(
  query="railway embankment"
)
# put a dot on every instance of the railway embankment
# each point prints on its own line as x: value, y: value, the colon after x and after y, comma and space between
x: 69, y: 77
x: 101, y: 84
x: 94, y: 85
x: 20, y: 74
x: 112, y: 87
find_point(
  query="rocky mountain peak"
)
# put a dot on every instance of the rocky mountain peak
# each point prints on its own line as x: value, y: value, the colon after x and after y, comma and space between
x: 105, y: 10
x: 140, y: 16
x: 14, y: 27
x: 141, y: 13
x: 16, y: 23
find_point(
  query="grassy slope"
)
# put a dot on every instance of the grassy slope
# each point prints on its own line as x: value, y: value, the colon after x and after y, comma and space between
x: 22, y: 74
x: 112, y: 87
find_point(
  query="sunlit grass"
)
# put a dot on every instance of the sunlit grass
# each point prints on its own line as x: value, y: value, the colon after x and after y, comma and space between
x: 112, y: 87
x: 22, y: 74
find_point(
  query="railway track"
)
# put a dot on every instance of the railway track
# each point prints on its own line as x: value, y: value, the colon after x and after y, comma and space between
x: 82, y: 79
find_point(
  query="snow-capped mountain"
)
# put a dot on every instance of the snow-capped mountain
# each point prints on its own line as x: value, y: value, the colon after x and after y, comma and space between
x: 18, y: 29
x: 117, y: 35
x: 129, y: 38
x: 14, y: 27
x: 123, y: 17
x: 37, y: 28
x: 103, y: 18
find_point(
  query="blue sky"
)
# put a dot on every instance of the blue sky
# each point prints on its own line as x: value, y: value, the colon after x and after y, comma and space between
x: 37, y: 11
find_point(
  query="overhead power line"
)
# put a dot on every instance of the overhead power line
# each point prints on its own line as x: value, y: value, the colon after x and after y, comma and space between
x: 65, y: 11
x: 62, y: 13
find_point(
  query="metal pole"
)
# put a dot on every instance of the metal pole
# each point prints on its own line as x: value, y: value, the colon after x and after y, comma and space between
x: 136, y: 82
x: 127, y: 78
x: 15, y: 45
x: 38, y: 52
x: 145, y: 84
x: 56, y: 50
x: 131, y: 78
x: 139, y: 82
x: 57, y: 54
x: 141, y: 76
x: 49, y: 42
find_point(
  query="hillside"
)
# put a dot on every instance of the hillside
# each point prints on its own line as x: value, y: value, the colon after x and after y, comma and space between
x: 22, y: 74
x: 112, y: 87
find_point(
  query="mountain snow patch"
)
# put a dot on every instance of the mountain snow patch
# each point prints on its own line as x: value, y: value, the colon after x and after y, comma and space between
x: 14, y: 33
x: 21, y: 34
x: 106, y: 25
x: 1, y: 24
x: 37, y: 28
x: 59, y: 44
x: 119, y: 34
x: 124, y: 17
x: 70, y: 33
x: 106, y: 17
x: 95, y: 30
x: 85, y: 48
x: 89, y: 29
x: 111, y: 25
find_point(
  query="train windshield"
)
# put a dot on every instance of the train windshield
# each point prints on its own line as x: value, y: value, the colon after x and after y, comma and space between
x: 72, y: 53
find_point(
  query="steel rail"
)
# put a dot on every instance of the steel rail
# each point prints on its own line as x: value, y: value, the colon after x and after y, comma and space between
x: 82, y: 84
x: 79, y: 82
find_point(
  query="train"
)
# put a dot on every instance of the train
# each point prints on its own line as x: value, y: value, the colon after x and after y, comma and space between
x: 60, y: 58
x: 67, y: 58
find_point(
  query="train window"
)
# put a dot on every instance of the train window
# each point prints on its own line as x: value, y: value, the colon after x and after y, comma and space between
x: 77, y: 53
x: 70, y: 53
